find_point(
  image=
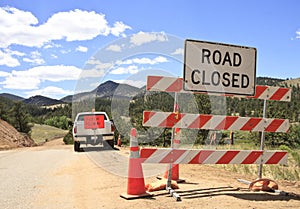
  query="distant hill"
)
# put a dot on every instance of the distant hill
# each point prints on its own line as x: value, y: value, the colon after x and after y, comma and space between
x: 67, y: 99
x: 11, y: 97
x: 277, y: 82
x: 107, y: 89
x: 292, y: 82
x: 266, y: 81
x: 111, y: 89
x: 42, y: 101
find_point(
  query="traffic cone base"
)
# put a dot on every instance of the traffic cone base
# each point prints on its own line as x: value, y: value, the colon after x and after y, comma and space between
x: 135, y: 182
x: 131, y: 197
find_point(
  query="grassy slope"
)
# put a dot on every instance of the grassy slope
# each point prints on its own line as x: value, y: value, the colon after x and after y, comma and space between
x: 292, y: 82
x: 42, y: 133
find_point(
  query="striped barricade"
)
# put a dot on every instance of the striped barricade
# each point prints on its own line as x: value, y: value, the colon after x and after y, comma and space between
x: 195, y: 156
x: 213, y: 122
x: 171, y: 84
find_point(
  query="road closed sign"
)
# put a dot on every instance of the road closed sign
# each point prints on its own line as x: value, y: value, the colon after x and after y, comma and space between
x: 93, y: 121
x: 219, y: 68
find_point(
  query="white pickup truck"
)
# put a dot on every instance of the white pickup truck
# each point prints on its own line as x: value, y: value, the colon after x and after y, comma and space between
x: 93, y: 128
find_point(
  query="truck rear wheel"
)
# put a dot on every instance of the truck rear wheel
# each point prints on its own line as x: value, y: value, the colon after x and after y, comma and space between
x: 76, y: 146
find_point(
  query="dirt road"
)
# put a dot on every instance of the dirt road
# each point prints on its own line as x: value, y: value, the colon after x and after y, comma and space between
x: 53, y: 176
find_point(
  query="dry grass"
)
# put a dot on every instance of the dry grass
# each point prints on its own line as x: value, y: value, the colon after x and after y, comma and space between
x: 42, y: 133
x: 290, y: 172
x: 292, y: 82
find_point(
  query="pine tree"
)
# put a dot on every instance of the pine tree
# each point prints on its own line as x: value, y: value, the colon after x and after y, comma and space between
x: 19, y: 118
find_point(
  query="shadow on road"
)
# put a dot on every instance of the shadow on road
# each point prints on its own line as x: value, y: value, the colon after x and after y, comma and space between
x: 97, y: 149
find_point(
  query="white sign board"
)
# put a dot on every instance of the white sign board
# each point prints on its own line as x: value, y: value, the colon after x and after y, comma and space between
x: 219, y: 68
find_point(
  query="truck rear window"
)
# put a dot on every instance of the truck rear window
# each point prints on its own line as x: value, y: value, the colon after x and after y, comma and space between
x: 81, y: 117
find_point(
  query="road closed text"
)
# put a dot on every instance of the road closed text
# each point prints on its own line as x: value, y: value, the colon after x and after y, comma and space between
x: 219, y: 68
x: 234, y: 80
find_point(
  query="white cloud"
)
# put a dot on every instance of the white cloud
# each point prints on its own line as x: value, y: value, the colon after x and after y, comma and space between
x: 50, y: 91
x: 298, y: 34
x: 8, y: 60
x: 138, y: 84
x: 144, y: 60
x: 179, y: 51
x: 16, y: 53
x: 35, y: 58
x: 142, y: 38
x: 114, y: 48
x: 98, y: 65
x: 53, y: 56
x: 92, y: 73
x: 52, y: 45
x: 4, y: 74
x: 7, y: 57
x: 82, y: 49
x: 132, y: 69
x: 37, y: 61
x: 22, y: 28
x: 119, y: 28
x: 63, y: 51
x: 31, y: 79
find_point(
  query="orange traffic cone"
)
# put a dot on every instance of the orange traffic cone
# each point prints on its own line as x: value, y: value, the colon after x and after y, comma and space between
x: 175, y: 172
x: 175, y: 167
x: 135, y: 182
x: 119, y: 143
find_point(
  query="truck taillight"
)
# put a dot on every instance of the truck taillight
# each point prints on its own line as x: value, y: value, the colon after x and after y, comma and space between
x: 112, y: 127
x: 75, y: 130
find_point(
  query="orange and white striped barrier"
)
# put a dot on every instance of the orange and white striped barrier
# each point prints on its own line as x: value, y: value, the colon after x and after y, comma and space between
x: 193, y: 156
x: 213, y: 122
x: 171, y: 84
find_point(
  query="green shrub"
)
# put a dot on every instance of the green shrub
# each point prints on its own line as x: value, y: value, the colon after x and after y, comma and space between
x: 68, y: 138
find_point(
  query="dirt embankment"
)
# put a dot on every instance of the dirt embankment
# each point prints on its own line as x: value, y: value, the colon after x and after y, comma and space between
x: 10, y: 138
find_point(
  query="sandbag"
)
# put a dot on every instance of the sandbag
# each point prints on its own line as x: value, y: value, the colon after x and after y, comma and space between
x: 160, y: 185
x: 266, y: 185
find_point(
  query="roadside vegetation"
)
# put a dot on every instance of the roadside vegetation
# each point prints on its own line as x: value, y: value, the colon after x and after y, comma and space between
x: 43, y: 133
x: 290, y: 172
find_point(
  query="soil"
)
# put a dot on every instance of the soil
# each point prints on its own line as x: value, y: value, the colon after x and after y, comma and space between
x: 83, y: 184
x: 10, y: 138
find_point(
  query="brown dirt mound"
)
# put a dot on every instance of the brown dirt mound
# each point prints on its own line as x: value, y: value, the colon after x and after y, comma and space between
x: 10, y: 138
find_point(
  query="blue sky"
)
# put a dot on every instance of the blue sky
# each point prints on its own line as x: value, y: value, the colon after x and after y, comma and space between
x: 46, y: 46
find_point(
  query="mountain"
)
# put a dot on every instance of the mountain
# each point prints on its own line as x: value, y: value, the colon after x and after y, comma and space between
x: 11, y: 97
x: 67, y: 99
x: 42, y: 101
x: 110, y: 89
x: 107, y: 89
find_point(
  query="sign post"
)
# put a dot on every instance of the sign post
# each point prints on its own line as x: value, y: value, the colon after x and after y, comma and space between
x: 219, y: 68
